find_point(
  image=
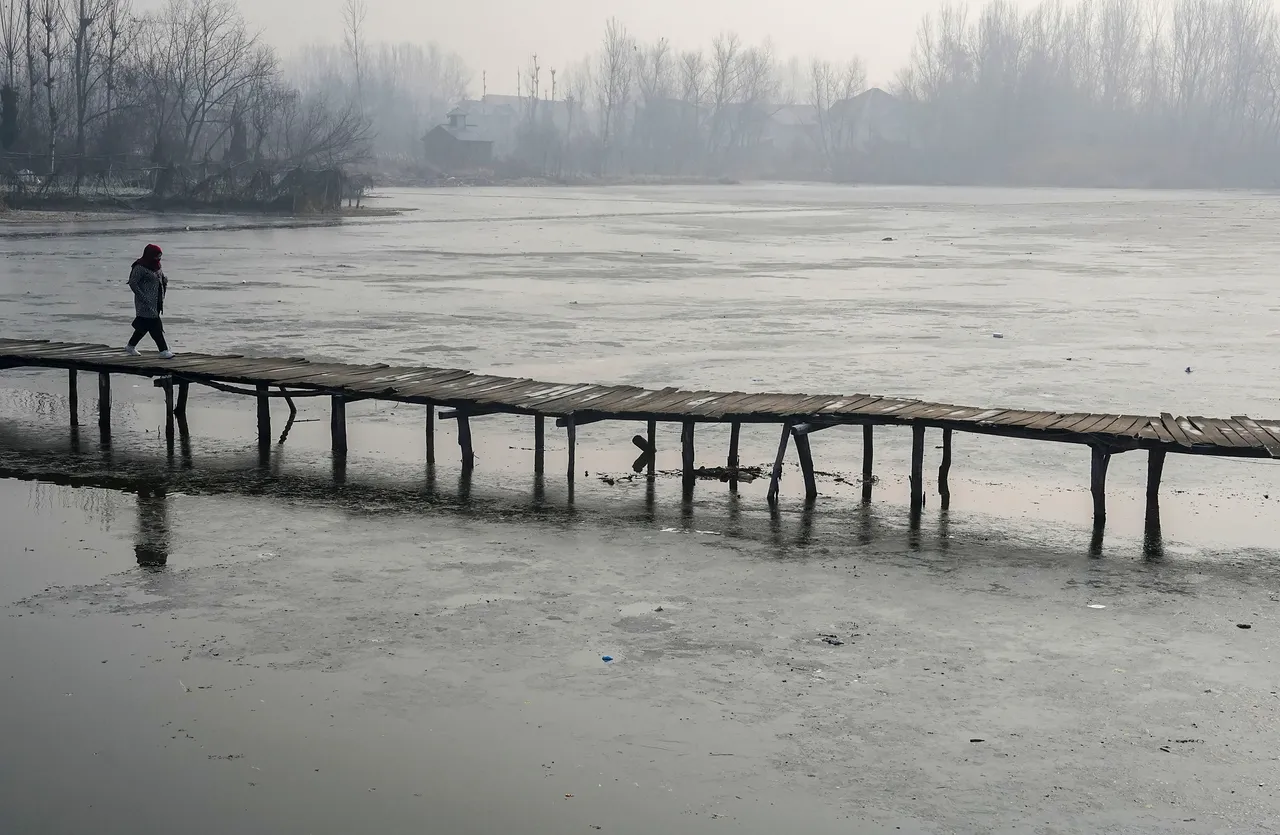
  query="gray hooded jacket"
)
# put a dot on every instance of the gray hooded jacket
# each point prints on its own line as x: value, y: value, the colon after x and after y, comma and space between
x: 149, y: 288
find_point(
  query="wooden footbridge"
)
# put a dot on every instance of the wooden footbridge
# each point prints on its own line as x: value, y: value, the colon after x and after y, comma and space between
x: 450, y: 394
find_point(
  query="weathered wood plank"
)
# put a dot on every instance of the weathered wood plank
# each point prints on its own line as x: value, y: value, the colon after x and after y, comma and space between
x: 1175, y: 431
x: 1264, y: 439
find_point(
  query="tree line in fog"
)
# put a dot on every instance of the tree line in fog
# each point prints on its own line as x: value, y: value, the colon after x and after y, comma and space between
x: 1142, y: 92
x: 92, y: 86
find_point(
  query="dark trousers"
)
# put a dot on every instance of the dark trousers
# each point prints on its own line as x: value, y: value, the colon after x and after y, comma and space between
x: 143, y: 326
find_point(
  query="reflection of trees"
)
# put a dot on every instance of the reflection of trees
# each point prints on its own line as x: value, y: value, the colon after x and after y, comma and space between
x: 100, y: 504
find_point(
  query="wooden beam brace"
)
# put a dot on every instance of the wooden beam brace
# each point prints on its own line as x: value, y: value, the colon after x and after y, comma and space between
x: 917, y: 467
x: 563, y: 423
x: 868, y: 459
x: 1101, y: 460
x: 806, y: 466
x: 338, y: 425
x: 944, y: 471
x: 431, y: 433
x: 1155, y: 472
x: 687, y: 456
x: 775, y: 480
x: 73, y: 397
x: 458, y: 414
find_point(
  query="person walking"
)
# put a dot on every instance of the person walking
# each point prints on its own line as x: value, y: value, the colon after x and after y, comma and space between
x: 149, y: 285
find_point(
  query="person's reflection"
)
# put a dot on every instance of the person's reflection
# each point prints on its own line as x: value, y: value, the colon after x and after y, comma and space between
x: 152, y: 543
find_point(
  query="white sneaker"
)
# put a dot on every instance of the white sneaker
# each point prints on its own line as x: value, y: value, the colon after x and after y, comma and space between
x: 167, y: 355
x: 131, y: 350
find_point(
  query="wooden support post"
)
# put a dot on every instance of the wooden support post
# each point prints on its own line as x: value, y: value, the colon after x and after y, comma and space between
x: 735, y: 431
x: 1098, y: 483
x: 806, y: 466
x: 104, y: 401
x: 168, y: 412
x: 571, y: 430
x: 431, y: 433
x: 653, y: 448
x: 917, y: 467
x: 338, y: 425
x: 539, y: 442
x: 73, y: 397
x: 464, y: 441
x: 944, y: 471
x: 264, y: 417
x: 687, y: 456
x: 775, y: 481
x: 180, y: 408
x: 1155, y: 472
x: 868, y: 458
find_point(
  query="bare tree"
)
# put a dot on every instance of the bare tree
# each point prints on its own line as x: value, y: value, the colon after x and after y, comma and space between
x: 49, y: 17
x: 354, y: 14
x: 614, y: 81
x: 831, y: 91
x: 10, y: 40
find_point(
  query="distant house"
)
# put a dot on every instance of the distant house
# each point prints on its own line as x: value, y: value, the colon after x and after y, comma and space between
x: 476, y: 134
x: 877, y: 118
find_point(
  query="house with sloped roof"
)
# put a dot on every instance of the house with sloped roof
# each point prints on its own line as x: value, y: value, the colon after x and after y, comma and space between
x: 477, y: 133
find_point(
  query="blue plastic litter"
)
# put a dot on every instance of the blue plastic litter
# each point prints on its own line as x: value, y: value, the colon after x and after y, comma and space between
x: 606, y: 658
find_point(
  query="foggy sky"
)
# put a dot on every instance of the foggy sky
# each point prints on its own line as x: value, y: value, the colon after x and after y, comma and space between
x: 499, y: 35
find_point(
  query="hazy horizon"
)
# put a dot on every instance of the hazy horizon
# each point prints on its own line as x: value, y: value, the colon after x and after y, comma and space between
x: 497, y: 37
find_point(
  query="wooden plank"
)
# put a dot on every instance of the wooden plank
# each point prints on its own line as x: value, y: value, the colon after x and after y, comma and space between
x: 1175, y: 431
x: 1086, y: 427
x: 1270, y: 427
x: 1239, y: 435
x: 1212, y: 432
x: 1208, y: 433
x: 915, y: 410
x: 629, y: 403
x: 764, y: 404
x: 1263, y: 438
x: 890, y: 408
x: 578, y: 400
x: 722, y: 407
x: 985, y: 416
x: 1066, y: 421
x: 539, y: 392
x: 611, y: 401
x: 812, y: 406
x: 1156, y: 429
x: 1027, y: 419
x: 854, y: 408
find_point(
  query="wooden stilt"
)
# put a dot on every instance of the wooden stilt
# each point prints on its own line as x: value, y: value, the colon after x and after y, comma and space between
x: 168, y: 413
x: 431, y: 433
x: 539, y: 442
x: 104, y: 402
x: 571, y: 429
x: 180, y: 408
x: 775, y: 481
x: 735, y: 431
x: 1098, y: 483
x: 917, y: 467
x: 264, y: 417
x: 1155, y: 472
x: 653, y: 448
x: 687, y: 455
x: 73, y: 397
x: 868, y: 459
x: 338, y: 424
x: 944, y: 471
x: 464, y: 441
x: 805, y: 453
